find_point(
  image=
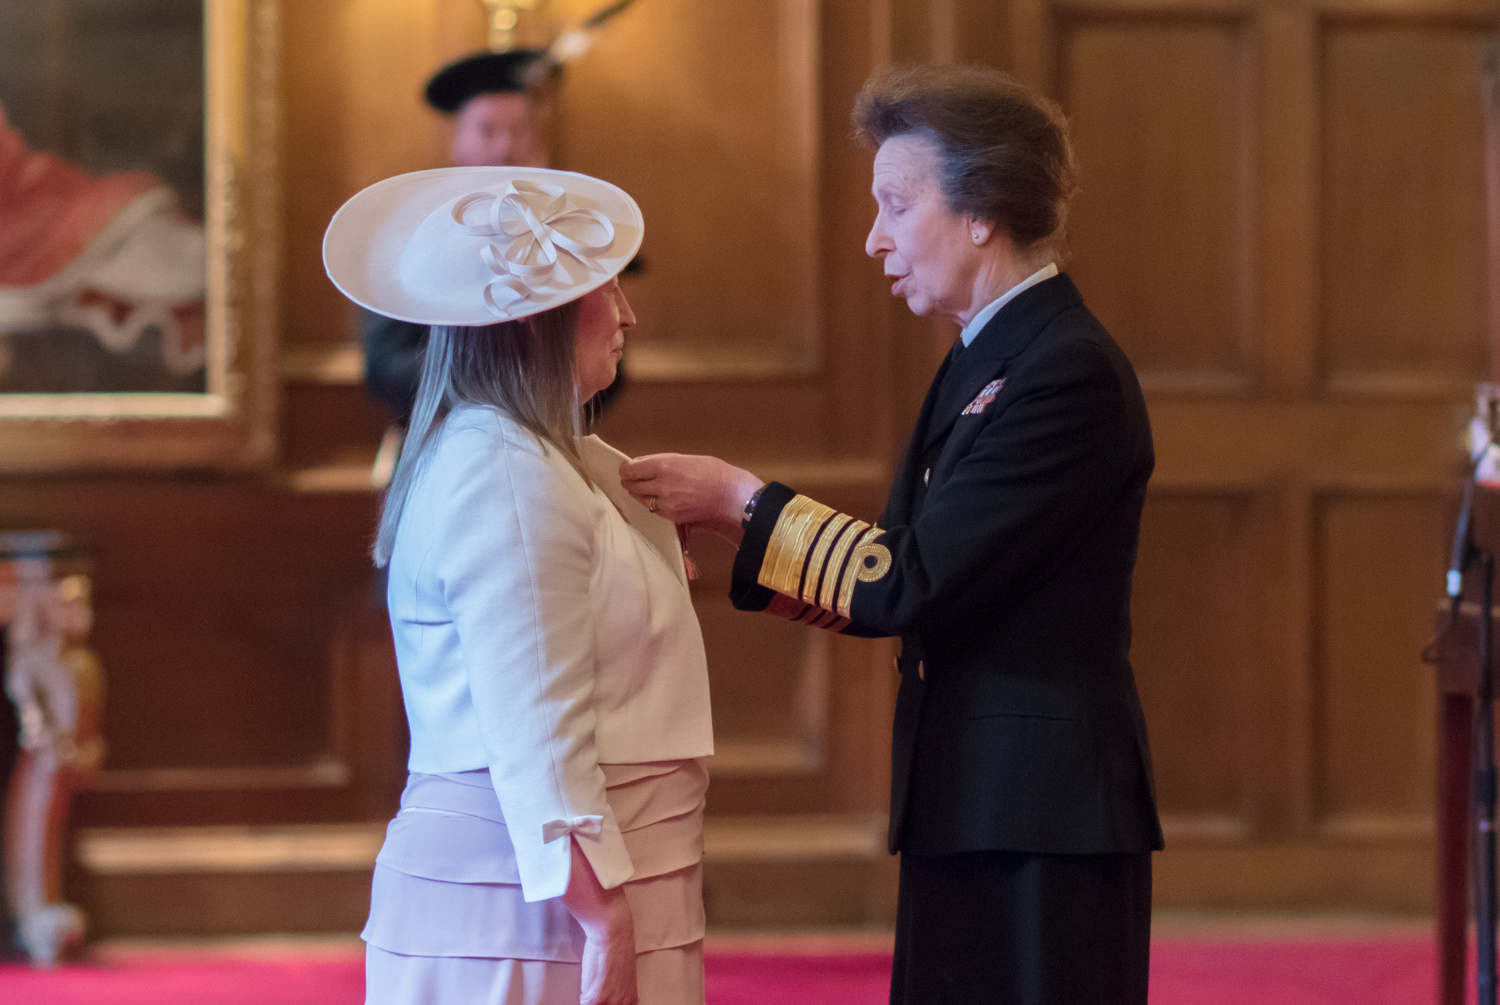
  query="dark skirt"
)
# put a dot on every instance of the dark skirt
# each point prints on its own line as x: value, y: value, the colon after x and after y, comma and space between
x: 1003, y: 928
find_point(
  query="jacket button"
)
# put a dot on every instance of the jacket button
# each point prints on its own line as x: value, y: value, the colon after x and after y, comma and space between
x: 921, y: 670
x: 926, y: 476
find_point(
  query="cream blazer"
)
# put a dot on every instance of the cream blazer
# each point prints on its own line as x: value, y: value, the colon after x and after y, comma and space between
x: 542, y: 628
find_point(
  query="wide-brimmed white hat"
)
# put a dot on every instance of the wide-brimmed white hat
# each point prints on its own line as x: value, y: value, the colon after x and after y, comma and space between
x: 476, y: 245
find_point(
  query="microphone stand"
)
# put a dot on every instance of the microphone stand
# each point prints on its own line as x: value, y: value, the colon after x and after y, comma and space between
x: 1486, y: 896
x: 1485, y: 900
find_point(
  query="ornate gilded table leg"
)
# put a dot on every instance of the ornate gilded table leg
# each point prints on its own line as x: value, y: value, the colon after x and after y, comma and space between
x: 57, y: 687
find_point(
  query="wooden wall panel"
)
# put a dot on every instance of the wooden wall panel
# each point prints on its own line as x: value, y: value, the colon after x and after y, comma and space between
x: 329, y: 425
x: 756, y: 665
x: 354, y: 70
x: 1193, y: 608
x: 211, y: 617
x: 1402, y: 221
x: 708, y: 115
x: 1278, y: 201
x: 1378, y: 557
x: 1160, y: 111
x: 222, y: 607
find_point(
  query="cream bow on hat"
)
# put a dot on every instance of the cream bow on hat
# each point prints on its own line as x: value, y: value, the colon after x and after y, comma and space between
x: 476, y: 245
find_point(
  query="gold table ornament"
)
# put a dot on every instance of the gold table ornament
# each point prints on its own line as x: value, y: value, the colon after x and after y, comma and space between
x: 56, y: 684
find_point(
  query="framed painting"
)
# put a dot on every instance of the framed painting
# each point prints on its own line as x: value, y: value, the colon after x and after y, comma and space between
x: 138, y: 234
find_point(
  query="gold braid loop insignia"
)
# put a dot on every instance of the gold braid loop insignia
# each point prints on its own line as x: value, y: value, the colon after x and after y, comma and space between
x: 872, y: 561
x: 814, y: 558
x: 855, y: 571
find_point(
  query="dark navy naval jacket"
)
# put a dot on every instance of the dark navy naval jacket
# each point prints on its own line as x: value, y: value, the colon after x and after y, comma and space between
x: 1003, y: 560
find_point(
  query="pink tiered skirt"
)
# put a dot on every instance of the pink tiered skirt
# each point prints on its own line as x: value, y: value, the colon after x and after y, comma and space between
x: 448, y: 923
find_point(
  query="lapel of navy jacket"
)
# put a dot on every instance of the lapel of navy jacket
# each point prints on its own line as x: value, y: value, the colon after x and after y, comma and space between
x: 1003, y: 560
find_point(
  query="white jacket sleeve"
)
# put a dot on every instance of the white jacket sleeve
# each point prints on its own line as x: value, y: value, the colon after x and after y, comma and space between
x: 514, y: 555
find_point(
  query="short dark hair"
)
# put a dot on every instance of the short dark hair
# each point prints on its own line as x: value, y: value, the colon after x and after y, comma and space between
x: 1003, y: 150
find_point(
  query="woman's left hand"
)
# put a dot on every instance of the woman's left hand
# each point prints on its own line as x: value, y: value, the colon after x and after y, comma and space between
x: 692, y: 489
x: 608, y: 964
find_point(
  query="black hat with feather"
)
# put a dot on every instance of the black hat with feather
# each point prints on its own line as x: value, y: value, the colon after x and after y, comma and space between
x: 510, y: 72
x: 514, y: 71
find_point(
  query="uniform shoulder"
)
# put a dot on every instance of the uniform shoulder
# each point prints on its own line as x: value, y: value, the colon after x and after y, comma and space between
x: 1074, y: 341
x: 1076, y: 351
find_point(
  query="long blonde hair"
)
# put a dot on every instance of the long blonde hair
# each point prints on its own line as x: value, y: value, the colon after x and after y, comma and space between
x: 524, y: 369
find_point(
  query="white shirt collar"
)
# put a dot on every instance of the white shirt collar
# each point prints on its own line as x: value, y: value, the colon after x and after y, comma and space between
x: 985, y: 316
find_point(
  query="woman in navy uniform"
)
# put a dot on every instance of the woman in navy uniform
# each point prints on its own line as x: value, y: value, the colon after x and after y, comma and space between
x: 1021, y: 798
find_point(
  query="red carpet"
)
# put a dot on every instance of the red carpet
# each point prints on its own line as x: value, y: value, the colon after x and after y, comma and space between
x: 1184, y: 972
x: 1333, y: 972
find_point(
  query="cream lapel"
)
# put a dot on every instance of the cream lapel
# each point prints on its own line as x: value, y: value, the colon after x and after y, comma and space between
x: 603, y: 463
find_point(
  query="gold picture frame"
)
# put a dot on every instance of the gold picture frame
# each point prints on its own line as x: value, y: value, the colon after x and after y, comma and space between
x: 231, y: 424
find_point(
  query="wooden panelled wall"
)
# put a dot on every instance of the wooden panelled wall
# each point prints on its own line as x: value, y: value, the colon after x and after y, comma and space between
x: 1279, y: 218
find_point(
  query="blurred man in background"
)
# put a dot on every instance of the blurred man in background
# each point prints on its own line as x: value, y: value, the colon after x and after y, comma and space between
x: 498, y: 102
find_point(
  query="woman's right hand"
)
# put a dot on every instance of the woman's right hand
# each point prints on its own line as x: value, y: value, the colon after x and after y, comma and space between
x: 609, y: 936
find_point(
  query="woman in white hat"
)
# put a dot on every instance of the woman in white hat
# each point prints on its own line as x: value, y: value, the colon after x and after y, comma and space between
x: 549, y: 841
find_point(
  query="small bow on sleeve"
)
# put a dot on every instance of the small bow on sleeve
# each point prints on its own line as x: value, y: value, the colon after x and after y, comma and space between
x: 554, y: 829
